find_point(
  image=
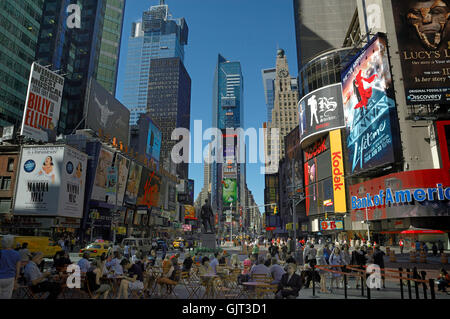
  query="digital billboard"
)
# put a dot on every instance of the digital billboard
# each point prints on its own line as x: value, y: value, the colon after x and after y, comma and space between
x: 51, y: 182
x: 337, y: 171
x: 134, y: 179
x: 189, y: 212
x: 149, y: 189
x: 423, y: 34
x: 153, y: 142
x: 331, y: 224
x: 107, y: 114
x: 294, y: 158
x: 190, y: 191
x: 229, y: 190
x: 402, y: 195
x: 105, y: 160
x: 122, y: 164
x: 42, y: 104
x: 321, y: 111
x: 369, y: 108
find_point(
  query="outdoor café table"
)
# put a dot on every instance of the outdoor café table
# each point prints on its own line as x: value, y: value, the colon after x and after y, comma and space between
x: 207, y: 281
x: 255, y: 284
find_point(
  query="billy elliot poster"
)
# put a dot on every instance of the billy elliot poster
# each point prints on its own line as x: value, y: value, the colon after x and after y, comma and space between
x: 369, y: 108
x: 423, y: 34
x: 42, y: 104
x: 51, y: 182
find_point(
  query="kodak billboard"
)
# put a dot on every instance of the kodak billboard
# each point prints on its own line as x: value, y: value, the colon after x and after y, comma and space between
x: 337, y: 171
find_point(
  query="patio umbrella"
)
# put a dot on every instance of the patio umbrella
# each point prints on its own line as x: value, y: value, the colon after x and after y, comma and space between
x: 413, y: 230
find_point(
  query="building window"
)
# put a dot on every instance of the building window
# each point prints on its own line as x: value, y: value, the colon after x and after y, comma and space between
x: 10, y: 167
x: 5, y: 183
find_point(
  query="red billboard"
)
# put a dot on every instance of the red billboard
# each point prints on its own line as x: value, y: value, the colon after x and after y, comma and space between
x: 400, y: 182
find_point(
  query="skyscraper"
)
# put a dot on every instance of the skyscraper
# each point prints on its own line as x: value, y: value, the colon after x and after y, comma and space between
x: 320, y: 25
x: 228, y: 112
x: 268, y: 76
x: 284, y: 114
x: 19, y: 29
x: 169, y: 105
x: 157, y: 35
x: 79, y: 54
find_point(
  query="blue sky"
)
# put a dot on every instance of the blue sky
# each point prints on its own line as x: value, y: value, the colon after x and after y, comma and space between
x: 248, y: 31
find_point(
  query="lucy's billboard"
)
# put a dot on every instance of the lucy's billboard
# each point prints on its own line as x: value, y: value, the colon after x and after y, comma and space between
x: 423, y: 35
x: 369, y: 108
x: 51, y: 181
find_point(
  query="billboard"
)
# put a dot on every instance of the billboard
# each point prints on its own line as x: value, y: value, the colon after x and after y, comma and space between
x: 134, y: 178
x: 331, y: 225
x: 149, y: 189
x: 423, y: 34
x: 371, y: 17
x: 402, y: 195
x: 122, y: 164
x: 104, y: 163
x: 294, y: 158
x: 229, y: 190
x: 190, y: 191
x: 189, y: 212
x: 51, y: 181
x: 107, y: 114
x: 153, y: 142
x: 111, y: 182
x: 337, y: 171
x: 369, y: 108
x: 42, y: 104
x: 8, y: 133
x: 321, y: 111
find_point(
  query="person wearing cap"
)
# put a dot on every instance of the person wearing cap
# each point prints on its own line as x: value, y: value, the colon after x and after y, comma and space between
x: 39, y: 281
x: 9, y: 267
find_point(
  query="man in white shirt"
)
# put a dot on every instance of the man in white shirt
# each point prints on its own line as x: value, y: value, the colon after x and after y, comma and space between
x: 214, y: 263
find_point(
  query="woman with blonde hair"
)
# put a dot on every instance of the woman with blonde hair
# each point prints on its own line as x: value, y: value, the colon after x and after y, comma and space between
x: 320, y: 259
x: 336, y: 259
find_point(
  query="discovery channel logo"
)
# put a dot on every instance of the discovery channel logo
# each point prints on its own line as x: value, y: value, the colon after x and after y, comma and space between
x: 424, y: 97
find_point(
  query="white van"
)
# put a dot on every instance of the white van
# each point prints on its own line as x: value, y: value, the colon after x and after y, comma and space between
x: 143, y: 244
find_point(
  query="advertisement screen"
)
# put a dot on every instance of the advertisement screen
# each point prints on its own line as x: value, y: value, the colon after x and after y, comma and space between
x: 51, y: 182
x: 321, y: 111
x: 229, y: 191
x: 153, y: 142
x: 189, y: 212
x: 338, y: 178
x: 294, y: 157
x: 423, y: 34
x: 105, y: 160
x: 369, y: 108
x: 149, y: 189
x: 190, y: 191
x: 107, y: 114
x: 134, y: 178
x: 397, y: 186
x: 122, y: 164
x: 42, y: 104
x: 331, y: 224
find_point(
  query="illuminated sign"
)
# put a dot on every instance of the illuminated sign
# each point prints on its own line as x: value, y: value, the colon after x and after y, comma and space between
x: 317, y: 148
x: 337, y: 172
x: 331, y: 225
x: 401, y: 196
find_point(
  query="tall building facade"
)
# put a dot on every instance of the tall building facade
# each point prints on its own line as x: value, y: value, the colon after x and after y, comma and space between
x: 81, y: 53
x: 169, y: 105
x: 228, y: 113
x: 268, y: 76
x: 19, y: 30
x: 284, y: 114
x: 157, y: 35
x: 320, y: 25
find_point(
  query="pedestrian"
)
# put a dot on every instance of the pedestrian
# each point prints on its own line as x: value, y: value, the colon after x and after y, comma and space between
x: 378, y: 259
x: 434, y: 248
x: 10, y: 263
x: 164, y: 249
x: 126, y: 251
x: 321, y: 261
x: 336, y: 260
x: 401, y: 244
x: 417, y: 245
x: 440, y: 246
x: 327, y: 253
x: 255, y: 250
x: 443, y: 281
x: 38, y: 281
x: 359, y: 259
x: 84, y: 263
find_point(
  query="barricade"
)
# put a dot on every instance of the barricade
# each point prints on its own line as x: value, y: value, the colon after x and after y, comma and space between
x: 399, y: 274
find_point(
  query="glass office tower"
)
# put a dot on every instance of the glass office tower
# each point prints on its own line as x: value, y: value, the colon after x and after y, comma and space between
x: 79, y: 54
x: 268, y: 76
x: 19, y: 29
x: 158, y: 35
x: 228, y: 112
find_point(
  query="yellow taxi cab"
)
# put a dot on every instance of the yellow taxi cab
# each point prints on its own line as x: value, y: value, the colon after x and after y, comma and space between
x: 176, y: 242
x: 37, y: 243
x: 97, y: 248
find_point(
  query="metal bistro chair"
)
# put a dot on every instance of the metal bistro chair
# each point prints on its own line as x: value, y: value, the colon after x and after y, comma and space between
x: 192, y: 286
